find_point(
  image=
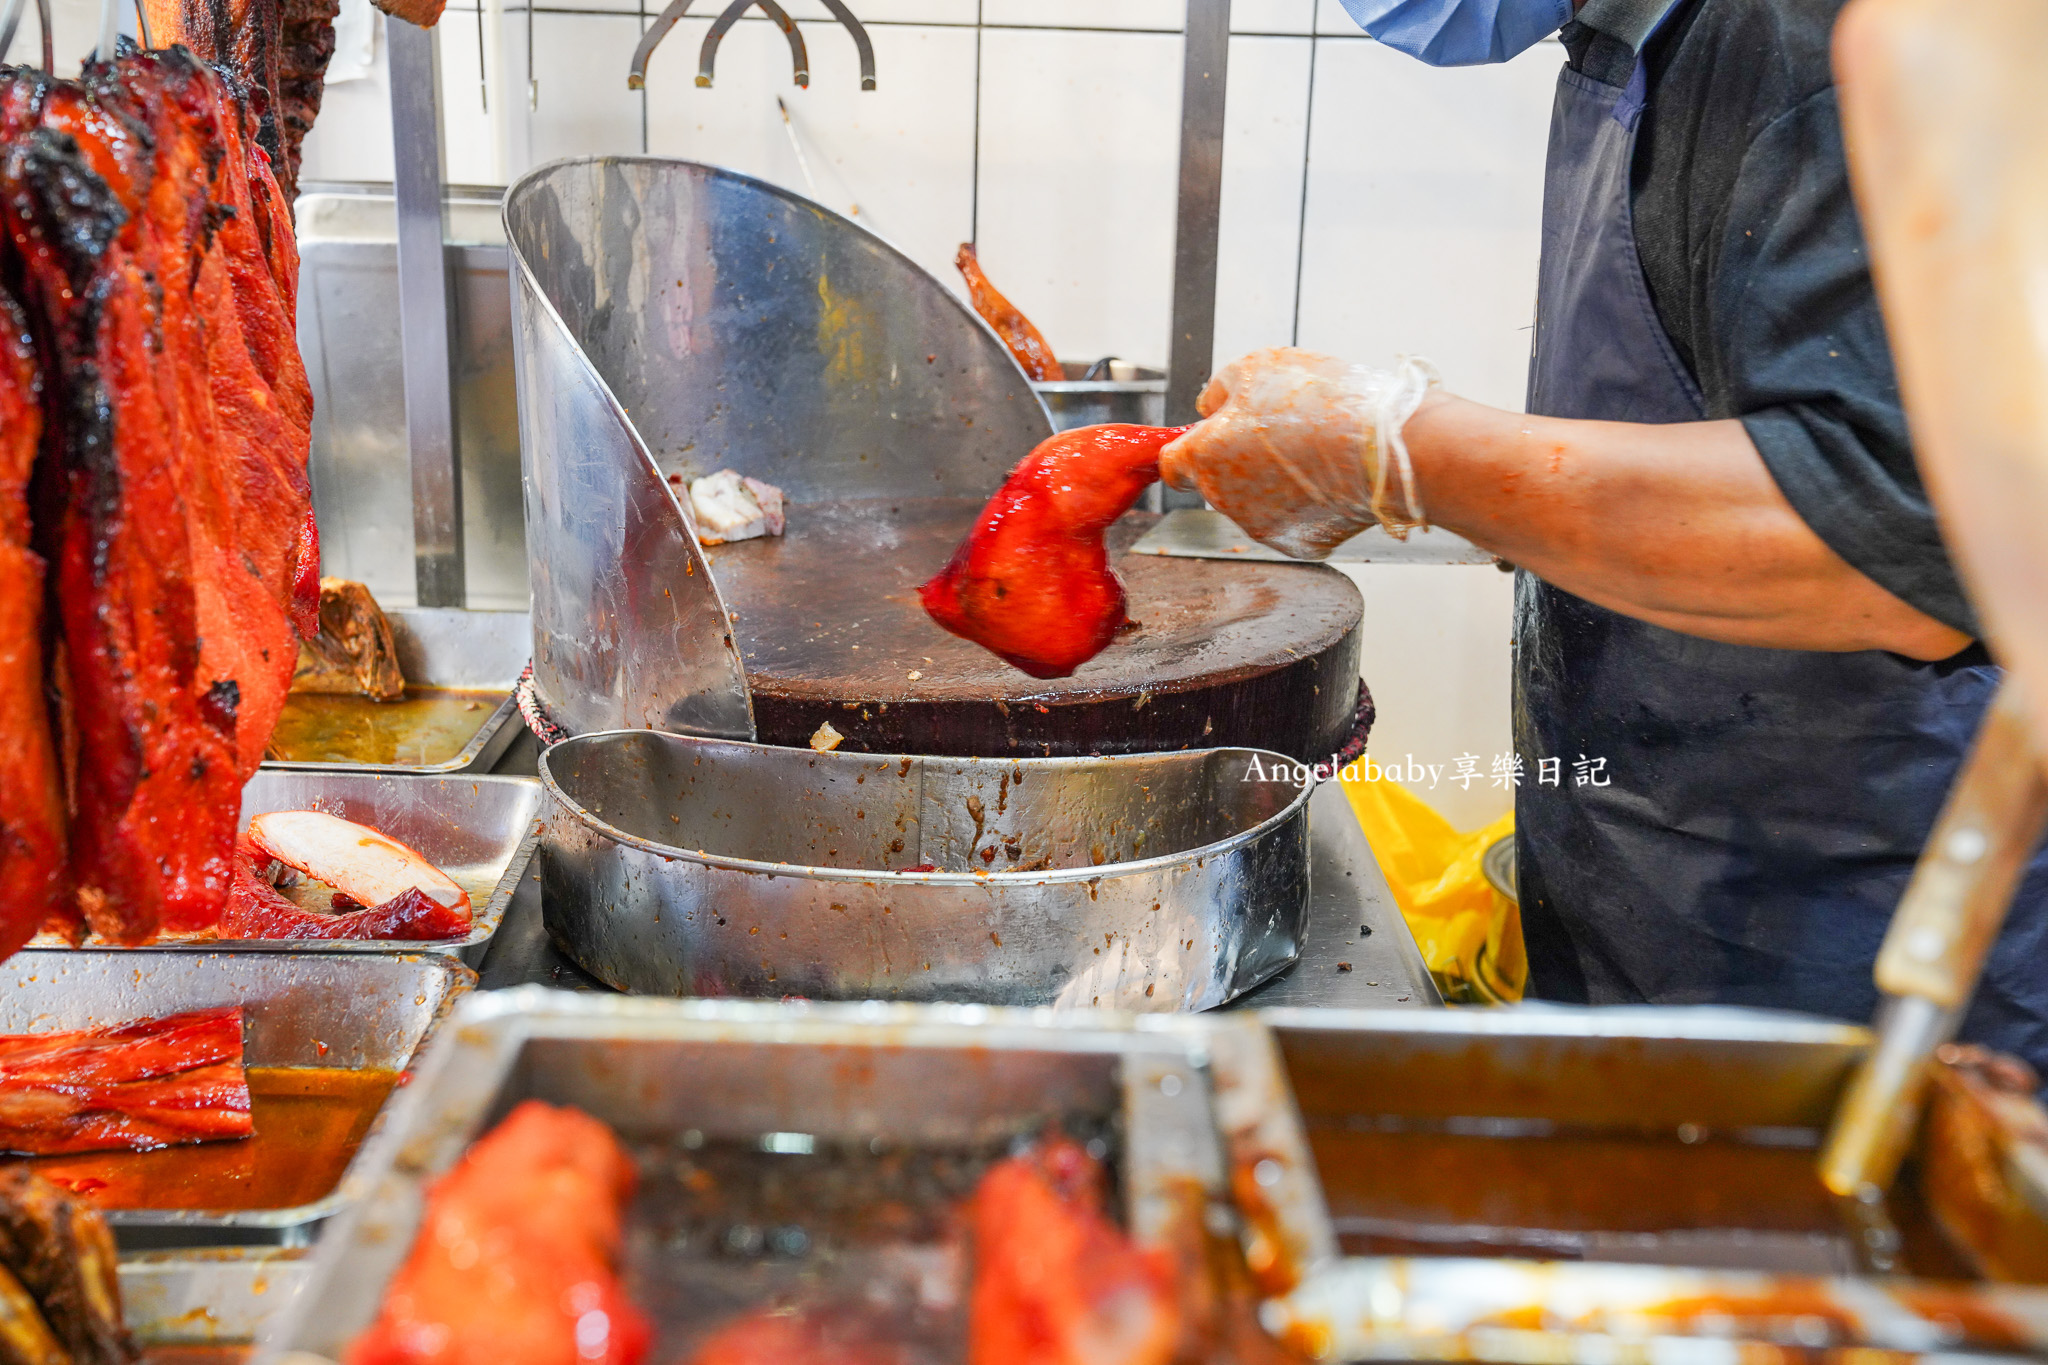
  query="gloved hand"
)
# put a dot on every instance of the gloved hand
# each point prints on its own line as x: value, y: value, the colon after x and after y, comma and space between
x: 1303, y: 450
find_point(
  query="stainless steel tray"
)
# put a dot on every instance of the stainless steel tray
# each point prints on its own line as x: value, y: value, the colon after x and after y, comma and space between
x: 481, y: 831
x: 217, y: 1296
x: 1515, y: 1312
x: 452, y: 648
x: 1149, y: 882
x: 356, y: 1011
x: 903, y: 1075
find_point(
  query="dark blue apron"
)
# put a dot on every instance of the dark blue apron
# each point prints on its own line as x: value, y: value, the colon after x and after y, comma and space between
x: 1762, y: 808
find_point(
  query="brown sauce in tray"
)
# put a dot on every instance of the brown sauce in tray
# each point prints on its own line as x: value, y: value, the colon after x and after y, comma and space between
x: 427, y: 725
x: 1596, y: 1196
x: 309, y: 1122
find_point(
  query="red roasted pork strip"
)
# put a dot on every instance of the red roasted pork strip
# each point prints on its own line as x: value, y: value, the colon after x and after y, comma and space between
x: 32, y: 854
x: 153, y: 1083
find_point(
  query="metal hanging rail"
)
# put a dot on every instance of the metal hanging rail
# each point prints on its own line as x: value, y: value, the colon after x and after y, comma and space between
x: 423, y: 315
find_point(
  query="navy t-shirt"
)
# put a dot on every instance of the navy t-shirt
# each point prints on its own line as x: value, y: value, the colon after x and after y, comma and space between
x: 1755, y: 261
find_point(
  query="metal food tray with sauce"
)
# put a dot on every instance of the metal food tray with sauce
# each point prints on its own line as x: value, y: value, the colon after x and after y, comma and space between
x: 801, y: 1087
x: 1574, y: 1184
x: 480, y: 830
x: 355, y: 1012
x: 1403, y: 1112
x: 468, y: 661
x: 1148, y: 882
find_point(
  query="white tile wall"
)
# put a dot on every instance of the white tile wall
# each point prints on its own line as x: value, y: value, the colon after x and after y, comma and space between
x: 1079, y: 146
x: 1163, y: 15
x: 351, y: 140
x: 1436, y: 659
x: 875, y: 11
x: 1272, y: 16
x: 901, y: 154
x: 1425, y: 190
x: 1265, y: 132
x: 579, y: 101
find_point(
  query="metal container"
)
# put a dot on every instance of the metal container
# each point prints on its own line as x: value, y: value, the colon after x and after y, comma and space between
x: 357, y: 1010
x: 462, y: 650
x: 788, y: 1076
x: 1514, y: 1312
x: 1119, y: 392
x: 1441, y: 1131
x: 1149, y: 882
x: 482, y: 831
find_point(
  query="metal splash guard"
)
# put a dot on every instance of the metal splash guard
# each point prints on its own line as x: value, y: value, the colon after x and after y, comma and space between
x: 671, y: 317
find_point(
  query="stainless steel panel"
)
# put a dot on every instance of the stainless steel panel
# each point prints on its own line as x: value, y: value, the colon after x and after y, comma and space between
x: 628, y: 625
x: 361, y: 460
x: 424, y: 315
x: 684, y: 866
x: 300, y: 1009
x: 451, y: 647
x: 1205, y: 65
x: 678, y: 319
x: 905, y: 1074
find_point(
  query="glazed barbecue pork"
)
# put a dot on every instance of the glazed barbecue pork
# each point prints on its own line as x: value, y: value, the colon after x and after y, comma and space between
x: 353, y: 653
x: 60, y: 1292
x: 158, y: 276
x: 133, y: 1087
x: 1055, y: 1281
x: 32, y: 861
x: 1026, y: 342
x: 277, y: 52
x: 255, y: 910
x: 1031, y: 583
x: 542, y: 1196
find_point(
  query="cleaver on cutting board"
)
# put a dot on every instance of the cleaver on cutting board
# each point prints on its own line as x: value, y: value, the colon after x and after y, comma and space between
x: 1200, y: 533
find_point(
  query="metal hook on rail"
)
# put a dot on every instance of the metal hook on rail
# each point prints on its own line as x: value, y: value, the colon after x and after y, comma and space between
x: 799, y: 58
x: 860, y: 41
x: 636, y: 77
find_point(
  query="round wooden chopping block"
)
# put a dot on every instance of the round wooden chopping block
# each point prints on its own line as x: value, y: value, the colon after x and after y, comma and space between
x: 1257, y: 654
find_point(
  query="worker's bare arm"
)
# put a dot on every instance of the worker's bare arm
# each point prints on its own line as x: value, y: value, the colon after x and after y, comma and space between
x: 1679, y: 525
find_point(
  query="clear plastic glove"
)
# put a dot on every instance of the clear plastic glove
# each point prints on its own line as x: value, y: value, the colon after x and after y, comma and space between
x: 1303, y: 450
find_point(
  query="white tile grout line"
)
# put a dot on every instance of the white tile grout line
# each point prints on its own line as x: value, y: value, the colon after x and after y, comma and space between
x: 974, y: 173
x: 951, y: 23
x: 1308, y: 126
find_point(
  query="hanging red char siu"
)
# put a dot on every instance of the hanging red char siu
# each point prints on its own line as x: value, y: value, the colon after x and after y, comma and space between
x: 278, y: 50
x: 157, y: 270
x: 32, y: 881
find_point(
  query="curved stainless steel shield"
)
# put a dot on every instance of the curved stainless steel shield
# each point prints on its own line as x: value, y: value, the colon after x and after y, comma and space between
x: 674, y: 318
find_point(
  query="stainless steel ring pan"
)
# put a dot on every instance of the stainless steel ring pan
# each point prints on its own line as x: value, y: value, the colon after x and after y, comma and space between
x: 681, y: 866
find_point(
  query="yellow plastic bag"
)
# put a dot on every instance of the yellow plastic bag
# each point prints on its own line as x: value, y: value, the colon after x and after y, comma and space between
x: 1469, y: 933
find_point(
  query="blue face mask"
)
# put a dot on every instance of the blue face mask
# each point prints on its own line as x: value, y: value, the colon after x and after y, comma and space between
x: 1460, y: 32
